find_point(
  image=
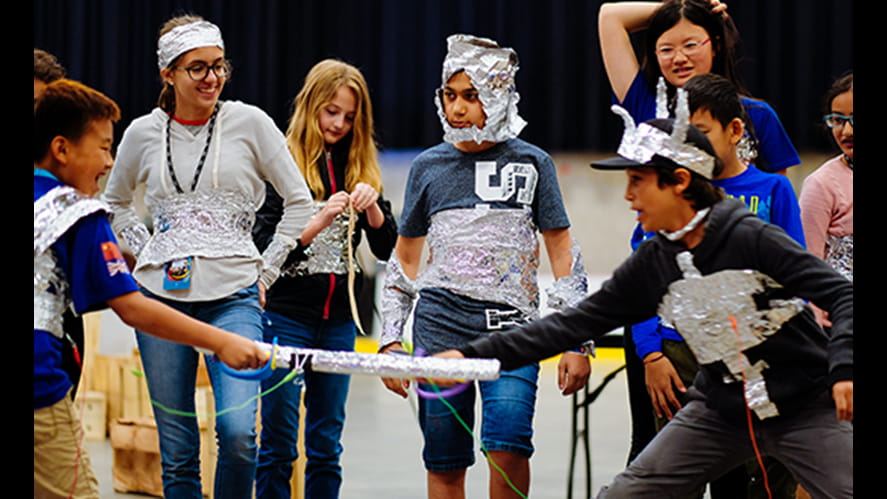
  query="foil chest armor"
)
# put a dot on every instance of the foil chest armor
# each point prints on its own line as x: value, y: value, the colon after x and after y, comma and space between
x: 54, y: 213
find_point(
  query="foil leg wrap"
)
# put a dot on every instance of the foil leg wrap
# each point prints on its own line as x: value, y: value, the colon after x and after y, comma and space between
x: 398, y: 294
x: 571, y: 289
x: 384, y: 365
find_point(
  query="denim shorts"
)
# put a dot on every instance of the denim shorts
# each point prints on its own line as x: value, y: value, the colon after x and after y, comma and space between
x: 508, y: 404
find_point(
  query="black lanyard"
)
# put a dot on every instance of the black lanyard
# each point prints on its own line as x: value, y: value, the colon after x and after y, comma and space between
x: 209, y: 136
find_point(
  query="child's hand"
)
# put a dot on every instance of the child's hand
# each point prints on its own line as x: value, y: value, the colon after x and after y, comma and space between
x: 662, y: 379
x: 241, y: 353
x: 396, y: 385
x: 718, y: 7
x: 363, y: 196
x: 336, y: 204
x: 842, y: 392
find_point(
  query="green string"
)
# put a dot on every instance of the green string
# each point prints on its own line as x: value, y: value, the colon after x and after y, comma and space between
x: 292, y: 374
x: 479, y: 442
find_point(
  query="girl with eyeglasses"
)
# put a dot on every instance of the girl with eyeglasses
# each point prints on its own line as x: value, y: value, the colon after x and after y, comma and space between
x: 682, y: 38
x: 203, y: 163
x: 827, y: 193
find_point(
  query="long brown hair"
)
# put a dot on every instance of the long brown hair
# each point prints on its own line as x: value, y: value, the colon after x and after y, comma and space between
x: 167, y: 98
x: 305, y: 139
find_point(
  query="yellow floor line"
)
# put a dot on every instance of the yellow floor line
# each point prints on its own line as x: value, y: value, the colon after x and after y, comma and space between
x: 370, y: 345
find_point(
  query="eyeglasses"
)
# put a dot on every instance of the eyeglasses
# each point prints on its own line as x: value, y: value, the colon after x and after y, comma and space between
x: 200, y: 70
x: 836, y: 120
x: 691, y: 48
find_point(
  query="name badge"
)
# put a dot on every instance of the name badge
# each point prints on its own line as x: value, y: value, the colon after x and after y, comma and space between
x: 177, y: 274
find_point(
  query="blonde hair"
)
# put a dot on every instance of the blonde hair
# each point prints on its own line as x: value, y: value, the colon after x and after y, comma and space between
x: 305, y: 139
x: 167, y: 98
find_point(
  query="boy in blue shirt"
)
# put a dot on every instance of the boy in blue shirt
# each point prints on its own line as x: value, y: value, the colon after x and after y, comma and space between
x: 479, y: 198
x: 77, y: 263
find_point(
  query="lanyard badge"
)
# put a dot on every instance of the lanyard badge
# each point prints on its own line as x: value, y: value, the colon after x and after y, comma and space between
x: 177, y: 274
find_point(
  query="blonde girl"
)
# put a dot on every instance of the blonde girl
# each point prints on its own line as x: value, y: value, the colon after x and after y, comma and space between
x: 330, y: 135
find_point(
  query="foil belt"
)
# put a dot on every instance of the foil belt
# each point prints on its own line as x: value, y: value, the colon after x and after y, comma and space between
x: 135, y: 237
x: 213, y: 223
x: 385, y: 365
x: 485, y: 254
x: 839, y: 254
x: 718, y: 317
x: 328, y: 252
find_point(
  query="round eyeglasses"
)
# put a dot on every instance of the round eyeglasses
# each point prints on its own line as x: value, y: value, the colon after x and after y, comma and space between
x: 200, y: 70
x: 836, y: 120
x: 689, y: 49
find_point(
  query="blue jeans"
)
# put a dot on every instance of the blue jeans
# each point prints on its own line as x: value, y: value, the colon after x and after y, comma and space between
x: 171, y: 373
x: 325, y: 396
x: 507, y: 409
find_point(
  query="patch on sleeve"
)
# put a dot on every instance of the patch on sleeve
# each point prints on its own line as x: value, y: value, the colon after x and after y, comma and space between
x: 114, y: 259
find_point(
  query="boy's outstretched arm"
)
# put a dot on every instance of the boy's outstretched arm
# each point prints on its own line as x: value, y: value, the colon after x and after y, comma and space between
x: 158, y: 319
x: 573, y: 368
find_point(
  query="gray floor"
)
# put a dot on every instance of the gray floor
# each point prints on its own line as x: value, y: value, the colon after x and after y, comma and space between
x: 383, y: 445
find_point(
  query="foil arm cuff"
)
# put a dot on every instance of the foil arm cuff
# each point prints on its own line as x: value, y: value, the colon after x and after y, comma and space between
x: 571, y: 289
x: 273, y: 257
x: 398, y: 294
x: 135, y: 238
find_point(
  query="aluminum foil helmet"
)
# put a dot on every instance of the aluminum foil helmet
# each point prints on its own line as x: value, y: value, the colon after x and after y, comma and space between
x: 491, y: 69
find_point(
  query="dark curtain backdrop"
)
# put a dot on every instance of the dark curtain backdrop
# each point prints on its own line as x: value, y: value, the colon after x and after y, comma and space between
x: 791, y: 51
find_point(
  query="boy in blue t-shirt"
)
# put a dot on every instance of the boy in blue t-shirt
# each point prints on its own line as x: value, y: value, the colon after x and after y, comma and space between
x: 479, y: 199
x: 77, y: 263
x: 669, y: 365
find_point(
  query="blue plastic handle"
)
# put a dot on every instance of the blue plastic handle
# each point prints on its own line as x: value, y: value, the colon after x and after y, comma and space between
x: 250, y: 374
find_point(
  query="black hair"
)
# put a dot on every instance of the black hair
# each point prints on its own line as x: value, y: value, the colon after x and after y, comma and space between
x: 701, y: 192
x: 723, y: 32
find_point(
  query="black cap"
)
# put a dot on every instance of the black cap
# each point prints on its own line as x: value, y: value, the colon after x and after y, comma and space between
x: 695, y: 137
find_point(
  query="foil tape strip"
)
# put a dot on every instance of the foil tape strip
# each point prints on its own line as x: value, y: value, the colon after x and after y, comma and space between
x: 719, y: 318
x: 384, y: 365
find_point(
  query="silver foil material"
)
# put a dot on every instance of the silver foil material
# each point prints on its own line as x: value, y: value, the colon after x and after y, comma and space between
x: 328, y: 252
x: 398, y: 294
x: 54, y: 213
x: 839, y: 254
x: 491, y: 70
x: 641, y: 142
x: 183, y: 38
x: 485, y: 254
x: 135, y: 237
x: 571, y: 289
x: 700, y: 308
x: 213, y: 223
x: 384, y: 365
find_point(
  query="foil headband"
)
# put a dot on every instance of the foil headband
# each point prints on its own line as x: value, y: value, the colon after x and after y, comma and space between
x: 183, y: 38
x: 640, y: 143
x: 491, y: 70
